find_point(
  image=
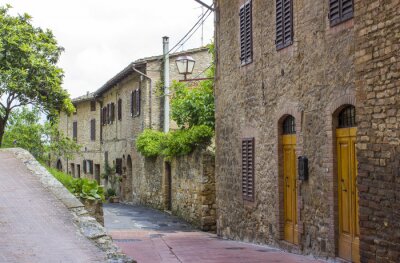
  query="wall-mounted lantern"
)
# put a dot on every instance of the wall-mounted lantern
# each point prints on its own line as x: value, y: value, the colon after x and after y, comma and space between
x: 185, y: 65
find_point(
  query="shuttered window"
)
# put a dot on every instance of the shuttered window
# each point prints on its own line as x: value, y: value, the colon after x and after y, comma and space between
x: 284, y: 23
x: 248, y: 169
x: 119, y: 109
x: 84, y: 166
x: 340, y: 11
x: 246, y: 33
x: 108, y: 113
x: 104, y: 116
x: 90, y: 166
x: 93, y: 129
x: 135, y: 103
x: 112, y: 112
x: 118, y: 166
x: 93, y: 105
x: 75, y: 130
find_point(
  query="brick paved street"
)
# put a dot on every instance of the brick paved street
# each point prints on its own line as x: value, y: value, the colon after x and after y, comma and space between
x: 150, y: 236
x: 34, y: 225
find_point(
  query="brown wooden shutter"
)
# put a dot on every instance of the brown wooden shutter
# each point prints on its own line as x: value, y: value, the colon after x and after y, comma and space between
x: 138, y: 93
x: 84, y: 166
x: 75, y: 130
x: 246, y: 33
x: 93, y: 129
x: 93, y: 105
x: 132, y: 100
x: 118, y: 166
x: 119, y: 109
x: 108, y: 113
x: 340, y: 11
x: 91, y: 166
x: 284, y: 23
x: 112, y: 111
x: 248, y: 169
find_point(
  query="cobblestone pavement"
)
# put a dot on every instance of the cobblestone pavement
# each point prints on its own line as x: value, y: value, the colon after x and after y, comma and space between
x: 151, y: 236
x: 34, y: 225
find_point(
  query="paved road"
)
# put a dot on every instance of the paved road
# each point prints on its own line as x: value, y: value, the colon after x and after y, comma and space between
x: 150, y: 236
x: 34, y: 225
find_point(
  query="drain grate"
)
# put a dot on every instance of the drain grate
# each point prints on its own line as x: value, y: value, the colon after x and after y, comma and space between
x: 156, y: 235
x: 127, y: 240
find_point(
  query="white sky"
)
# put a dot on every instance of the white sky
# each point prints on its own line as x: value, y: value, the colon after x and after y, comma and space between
x: 102, y: 37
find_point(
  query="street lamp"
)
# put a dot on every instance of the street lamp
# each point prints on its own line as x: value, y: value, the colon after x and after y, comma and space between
x: 185, y: 65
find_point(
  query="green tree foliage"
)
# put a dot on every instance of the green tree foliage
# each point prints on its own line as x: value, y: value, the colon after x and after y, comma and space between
x: 192, y: 108
x: 25, y: 130
x: 28, y: 70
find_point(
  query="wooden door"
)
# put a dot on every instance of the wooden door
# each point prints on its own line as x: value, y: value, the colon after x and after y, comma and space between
x: 290, y: 188
x: 348, y: 195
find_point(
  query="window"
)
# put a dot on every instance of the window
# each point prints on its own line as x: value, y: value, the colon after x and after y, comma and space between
x: 246, y: 37
x: 119, y: 109
x: 84, y: 165
x: 248, y: 169
x: 90, y: 162
x: 93, y: 129
x: 347, y: 117
x: 75, y: 131
x: 104, y: 115
x: 108, y: 114
x: 93, y: 105
x: 112, y: 112
x: 289, y: 125
x: 284, y: 23
x: 118, y: 166
x: 340, y: 11
x: 135, y: 103
x: 76, y: 109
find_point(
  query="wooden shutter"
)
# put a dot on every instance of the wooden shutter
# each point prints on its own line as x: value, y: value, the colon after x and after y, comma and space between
x: 93, y: 105
x: 93, y: 129
x: 284, y: 23
x: 90, y: 166
x: 248, y: 169
x: 137, y: 102
x: 246, y: 33
x: 84, y: 166
x: 132, y: 100
x: 108, y: 113
x: 340, y: 11
x: 119, y: 109
x: 118, y: 166
x: 75, y: 130
x: 112, y: 111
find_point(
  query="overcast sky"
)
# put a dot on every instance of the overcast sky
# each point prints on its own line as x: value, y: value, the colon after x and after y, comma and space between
x: 101, y: 37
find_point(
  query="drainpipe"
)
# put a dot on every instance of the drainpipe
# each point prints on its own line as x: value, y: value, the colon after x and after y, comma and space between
x: 150, y: 91
x: 166, y: 83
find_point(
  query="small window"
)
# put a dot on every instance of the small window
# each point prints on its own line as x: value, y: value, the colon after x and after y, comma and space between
x: 76, y: 109
x: 284, y: 23
x: 119, y: 109
x: 93, y: 129
x: 135, y: 103
x: 246, y: 33
x: 347, y: 117
x: 248, y: 169
x: 93, y: 105
x: 289, y: 125
x: 340, y: 11
x: 75, y: 131
x: 112, y: 112
x: 118, y: 166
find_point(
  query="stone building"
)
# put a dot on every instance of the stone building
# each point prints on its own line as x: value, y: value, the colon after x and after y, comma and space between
x: 285, y: 88
x: 106, y: 125
x: 377, y: 65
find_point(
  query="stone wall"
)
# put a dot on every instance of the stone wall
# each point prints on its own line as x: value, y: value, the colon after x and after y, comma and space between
x: 377, y: 66
x: 311, y: 80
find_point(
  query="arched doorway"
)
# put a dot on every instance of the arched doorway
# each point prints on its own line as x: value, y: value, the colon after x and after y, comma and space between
x: 347, y: 187
x: 59, y: 165
x: 289, y: 179
x: 127, y: 181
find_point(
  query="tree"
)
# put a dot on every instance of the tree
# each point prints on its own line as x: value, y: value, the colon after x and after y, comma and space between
x: 42, y: 140
x: 28, y: 71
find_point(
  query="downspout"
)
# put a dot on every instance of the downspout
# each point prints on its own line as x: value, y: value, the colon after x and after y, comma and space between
x: 150, y: 92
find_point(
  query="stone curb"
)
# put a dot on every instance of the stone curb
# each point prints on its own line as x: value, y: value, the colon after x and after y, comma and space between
x: 87, y: 225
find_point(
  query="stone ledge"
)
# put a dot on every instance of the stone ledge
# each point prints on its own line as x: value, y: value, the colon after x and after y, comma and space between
x: 87, y: 225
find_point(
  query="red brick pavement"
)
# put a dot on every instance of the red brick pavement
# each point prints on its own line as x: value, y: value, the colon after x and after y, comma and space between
x: 34, y: 226
x: 195, y: 247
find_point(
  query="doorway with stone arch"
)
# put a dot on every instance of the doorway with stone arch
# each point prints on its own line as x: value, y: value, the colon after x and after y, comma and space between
x: 59, y: 165
x: 347, y: 192
x: 127, y: 181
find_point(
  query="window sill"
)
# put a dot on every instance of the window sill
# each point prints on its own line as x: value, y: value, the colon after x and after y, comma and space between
x: 283, y: 46
x: 340, y: 21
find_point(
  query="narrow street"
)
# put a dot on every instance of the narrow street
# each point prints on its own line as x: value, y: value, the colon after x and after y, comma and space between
x: 34, y: 225
x: 151, y: 236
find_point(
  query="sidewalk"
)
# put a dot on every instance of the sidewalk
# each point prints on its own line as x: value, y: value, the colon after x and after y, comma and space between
x: 34, y: 225
x: 151, y: 236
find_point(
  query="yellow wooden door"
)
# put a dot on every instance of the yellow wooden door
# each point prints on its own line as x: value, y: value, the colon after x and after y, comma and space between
x: 349, y: 242
x: 290, y: 189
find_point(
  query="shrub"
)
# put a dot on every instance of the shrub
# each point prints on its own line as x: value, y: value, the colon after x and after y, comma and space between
x: 150, y: 142
x: 80, y: 187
